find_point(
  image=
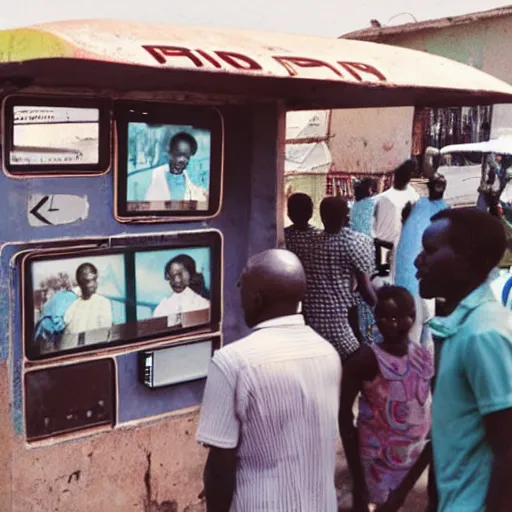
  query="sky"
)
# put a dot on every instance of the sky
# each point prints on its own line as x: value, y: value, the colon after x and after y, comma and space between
x: 330, y: 18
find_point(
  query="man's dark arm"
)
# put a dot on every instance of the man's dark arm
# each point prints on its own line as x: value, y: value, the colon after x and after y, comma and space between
x: 406, y: 211
x: 219, y: 479
x: 498, y: 427
x: 365, y: 288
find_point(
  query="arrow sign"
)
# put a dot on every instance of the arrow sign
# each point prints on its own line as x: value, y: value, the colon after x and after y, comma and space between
x: 56, y: 209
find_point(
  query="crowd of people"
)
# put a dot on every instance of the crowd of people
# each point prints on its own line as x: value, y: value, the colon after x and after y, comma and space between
x: 428, y: 351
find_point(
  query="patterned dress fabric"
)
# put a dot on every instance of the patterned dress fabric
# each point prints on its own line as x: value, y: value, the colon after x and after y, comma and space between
x: 394, y: 418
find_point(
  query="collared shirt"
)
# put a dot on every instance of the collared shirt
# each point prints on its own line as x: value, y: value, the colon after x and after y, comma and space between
x: 274, y: 396
x: 159, y: 189
x: 474, y: 379
x: 176, y: 184
x: 88, y: 314
x: 184, y: 302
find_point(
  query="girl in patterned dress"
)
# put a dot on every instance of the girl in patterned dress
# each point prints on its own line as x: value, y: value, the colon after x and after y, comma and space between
x: 393, y: 379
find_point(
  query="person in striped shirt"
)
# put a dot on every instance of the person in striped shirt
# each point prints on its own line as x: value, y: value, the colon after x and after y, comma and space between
x: 270, y: 407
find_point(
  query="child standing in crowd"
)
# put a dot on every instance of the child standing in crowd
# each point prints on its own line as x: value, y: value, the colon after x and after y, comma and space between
x: 299, y: 237
x: 394, y: 407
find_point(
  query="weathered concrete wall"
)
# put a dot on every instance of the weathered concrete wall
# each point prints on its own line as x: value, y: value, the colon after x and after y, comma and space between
x: 151, y: 468
x: 362, y: 135
x: 148, y: 462
x: 484, y: 44
x: 370, y: 140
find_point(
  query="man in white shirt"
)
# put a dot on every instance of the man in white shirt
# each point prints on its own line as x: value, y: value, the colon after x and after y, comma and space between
x: 387, y: 223
x: 387, y: 217
x: 270, y: 408
x: 91, y: 310
x: 171, y: 181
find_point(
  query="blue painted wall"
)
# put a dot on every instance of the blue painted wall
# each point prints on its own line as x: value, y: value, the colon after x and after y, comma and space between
x: 247, y: 221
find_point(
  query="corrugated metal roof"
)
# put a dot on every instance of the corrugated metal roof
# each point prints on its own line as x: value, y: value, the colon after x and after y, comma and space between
x: 377, y: 34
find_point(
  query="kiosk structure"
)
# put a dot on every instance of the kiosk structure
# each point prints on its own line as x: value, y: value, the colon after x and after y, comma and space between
x: 141, y: 166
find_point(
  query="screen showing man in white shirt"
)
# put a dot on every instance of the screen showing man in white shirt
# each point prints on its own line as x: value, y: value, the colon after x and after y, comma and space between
x: 91, y: 310
x: 168, y: 167
x: 77, y: 301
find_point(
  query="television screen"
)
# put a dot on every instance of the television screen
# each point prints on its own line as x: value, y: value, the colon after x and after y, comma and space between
x: 89, y: 299
x: 48, y: 135
x: 170, y: 284
x: 170, y: 161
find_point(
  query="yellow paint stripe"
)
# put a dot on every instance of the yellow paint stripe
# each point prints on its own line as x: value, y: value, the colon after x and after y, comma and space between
x: 27, y: 44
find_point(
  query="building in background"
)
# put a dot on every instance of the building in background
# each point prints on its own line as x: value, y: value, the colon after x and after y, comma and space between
x: 376, y: 140
x: 318, y: 154
x: 308, y: 159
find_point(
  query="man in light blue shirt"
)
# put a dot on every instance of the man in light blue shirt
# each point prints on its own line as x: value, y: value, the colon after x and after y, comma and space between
x: 472, y: 407
x: 408, y: 249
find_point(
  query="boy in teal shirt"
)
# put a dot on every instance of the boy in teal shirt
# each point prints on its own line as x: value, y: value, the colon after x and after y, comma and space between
x: 472, y: 406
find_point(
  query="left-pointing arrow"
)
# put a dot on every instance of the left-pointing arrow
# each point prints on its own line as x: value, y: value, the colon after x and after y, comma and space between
x: 35, y: 210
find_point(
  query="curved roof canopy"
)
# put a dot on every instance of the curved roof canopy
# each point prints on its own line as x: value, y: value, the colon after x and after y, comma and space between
x: 307, y: 72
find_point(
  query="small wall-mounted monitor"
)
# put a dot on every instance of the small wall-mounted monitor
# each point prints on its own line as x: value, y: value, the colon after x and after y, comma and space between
x: 85, y: 299
x: 46, y: 135
x: 169, y: 161
x: 177, y: 363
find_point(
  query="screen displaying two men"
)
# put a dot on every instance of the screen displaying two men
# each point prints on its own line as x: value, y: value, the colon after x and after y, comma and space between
x: 78, y: 302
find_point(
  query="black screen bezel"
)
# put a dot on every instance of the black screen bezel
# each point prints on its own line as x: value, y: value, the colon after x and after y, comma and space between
x: 64, y: 169
x: 210, y: 239
x: 205, y: 117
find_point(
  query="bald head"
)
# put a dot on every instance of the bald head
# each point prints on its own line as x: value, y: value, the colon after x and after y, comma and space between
x: 272, y: 285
